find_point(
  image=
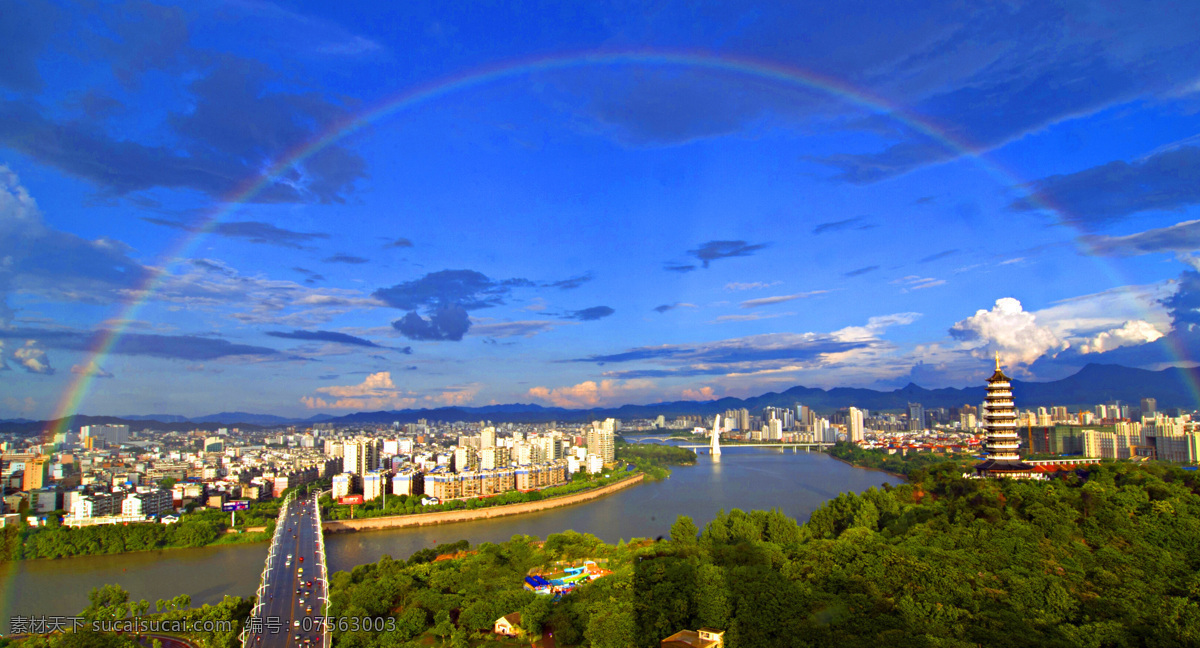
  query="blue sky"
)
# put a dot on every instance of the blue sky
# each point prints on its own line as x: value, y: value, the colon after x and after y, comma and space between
x: 602, y: 230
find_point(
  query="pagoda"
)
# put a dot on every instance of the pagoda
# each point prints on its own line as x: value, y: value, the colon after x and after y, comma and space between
x: 1001, y: 458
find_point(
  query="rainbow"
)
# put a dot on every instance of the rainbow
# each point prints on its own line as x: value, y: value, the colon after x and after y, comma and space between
x: 106, y: 341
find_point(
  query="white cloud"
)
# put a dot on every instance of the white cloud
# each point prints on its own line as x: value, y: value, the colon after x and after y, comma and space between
x: 591, y: 393
x: 33, y: 358
x: 1010, y: 330
x: 874, y: 327
x: 917, y: 282
x: 754, y: 285
x: 1131, y: 333
x: 375, y: 392
x: 522, y: 328
x: 779, y: 299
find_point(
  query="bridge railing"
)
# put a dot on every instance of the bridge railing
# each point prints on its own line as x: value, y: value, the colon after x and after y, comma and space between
x: 262, y: 581
x: 322, y: 571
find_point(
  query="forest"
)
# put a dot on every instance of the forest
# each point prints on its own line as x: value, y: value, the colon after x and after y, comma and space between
x: 113, y: 602
x: 1106, y: 555
x: 900, y: 464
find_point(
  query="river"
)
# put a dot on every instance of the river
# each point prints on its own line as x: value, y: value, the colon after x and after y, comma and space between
x: 746, y: 478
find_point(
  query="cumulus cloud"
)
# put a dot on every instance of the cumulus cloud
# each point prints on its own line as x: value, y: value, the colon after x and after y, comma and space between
x: 375, y: 392
x: 591, y: 393
x: 1131, y: 333
x: 90, y: 369
x: 1010, y: 330
x: 702, y: 394
x: 32, y: 358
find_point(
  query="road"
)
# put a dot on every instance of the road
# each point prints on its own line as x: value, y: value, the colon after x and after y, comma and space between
x: 293, y: 595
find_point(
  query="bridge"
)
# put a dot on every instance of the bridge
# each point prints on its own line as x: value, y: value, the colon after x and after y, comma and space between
x: 294, y: 592
x: 727, y: 445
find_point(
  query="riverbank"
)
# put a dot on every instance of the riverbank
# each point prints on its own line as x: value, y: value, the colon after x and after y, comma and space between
x: 448, y: 517
x: 882, y: 470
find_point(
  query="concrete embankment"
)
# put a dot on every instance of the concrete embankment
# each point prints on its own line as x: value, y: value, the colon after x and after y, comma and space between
x: 447, y: 517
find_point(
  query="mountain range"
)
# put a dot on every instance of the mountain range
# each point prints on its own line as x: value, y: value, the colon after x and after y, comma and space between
x: 1091, y: 385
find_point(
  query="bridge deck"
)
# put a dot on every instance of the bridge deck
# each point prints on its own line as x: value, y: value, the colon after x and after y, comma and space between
x: 293, y: 592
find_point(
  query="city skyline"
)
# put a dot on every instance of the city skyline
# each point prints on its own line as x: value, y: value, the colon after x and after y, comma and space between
x: 460, y: 207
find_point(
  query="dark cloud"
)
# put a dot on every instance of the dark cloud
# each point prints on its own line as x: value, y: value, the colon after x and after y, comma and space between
x: 924, y: 200
x: 328, y: 376
x: 858, y: 223
x: 400, y: 243
x: 346, y: 258
x: 236, y: 118
x: 447, y: 323
x: 324, y: 336
x: 526, y: 328
x: 53, y: 264
x: 572, y: 283
x: 589, y: 314
x: 662, y: 308
x: 310, y: 277
x: 939, y: 255
x: 1180, y: 238
x: 466, y: 288
x: 860, y: 271
x: 446, y: 295
x: 120, y: 166
x: 24, y: 31
x: 177, y: 347
x: 252, y: 231
x: 1169, y: 180
x: 718, y: 358
x: 678, y: 267
x: 713, y: 250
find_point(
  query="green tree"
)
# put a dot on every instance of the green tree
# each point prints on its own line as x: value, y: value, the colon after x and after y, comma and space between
x: 684, y: 531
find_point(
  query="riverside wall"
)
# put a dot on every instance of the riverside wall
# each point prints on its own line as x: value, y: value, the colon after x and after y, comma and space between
x: 447, y: 517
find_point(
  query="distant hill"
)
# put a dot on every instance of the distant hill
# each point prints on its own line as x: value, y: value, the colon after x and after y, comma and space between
x: 1093, y: 384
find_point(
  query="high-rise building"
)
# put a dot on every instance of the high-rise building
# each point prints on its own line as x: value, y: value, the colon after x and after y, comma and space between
x: 361, y: 456
x: 342, y: 485
x: 487, y: 438
x: 854, y: 424
x: 374, y: 484
x: 916, y: 417
x: 109, y: 434
x: 600, y: 442
x: 1149, y: 406
x: 1002, y: 458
